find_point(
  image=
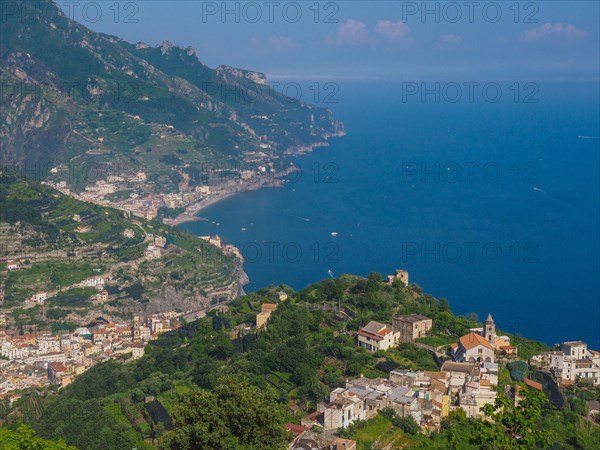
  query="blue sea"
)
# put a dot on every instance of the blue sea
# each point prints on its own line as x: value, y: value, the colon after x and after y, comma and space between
x: 493, y: 204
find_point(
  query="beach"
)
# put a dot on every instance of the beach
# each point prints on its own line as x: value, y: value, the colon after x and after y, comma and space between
x: 192, y: 210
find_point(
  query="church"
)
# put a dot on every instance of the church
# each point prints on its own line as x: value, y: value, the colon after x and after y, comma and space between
x: 480, y: 345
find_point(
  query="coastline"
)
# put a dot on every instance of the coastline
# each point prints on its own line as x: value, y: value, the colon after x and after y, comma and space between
x: 272, y: 181
x: 192, y: 211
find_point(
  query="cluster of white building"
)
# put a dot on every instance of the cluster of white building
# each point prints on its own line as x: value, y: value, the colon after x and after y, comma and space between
x: 427, y: 396
x: 36, y: 359
x: 141, y: 206
x: 573, y: 361
x: 467, y: 382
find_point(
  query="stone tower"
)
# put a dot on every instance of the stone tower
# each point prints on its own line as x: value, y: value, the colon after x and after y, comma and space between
x: 489, y: 329
x: 402, y: 275
x: 135, y: 327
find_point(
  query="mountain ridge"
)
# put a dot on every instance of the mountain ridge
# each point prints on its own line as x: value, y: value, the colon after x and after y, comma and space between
x: 71, y: 94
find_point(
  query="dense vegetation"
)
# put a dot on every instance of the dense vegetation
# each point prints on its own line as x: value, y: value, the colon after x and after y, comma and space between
x: 71, y: 92
x: 25, y: 439
x: 187, y: 384
x: 38, y: 228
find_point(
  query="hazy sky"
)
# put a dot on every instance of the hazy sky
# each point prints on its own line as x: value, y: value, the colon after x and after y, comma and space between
x: 502, y: 40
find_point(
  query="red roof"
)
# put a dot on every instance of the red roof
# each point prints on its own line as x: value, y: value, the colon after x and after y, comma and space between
x: 296, y: 429
x: 375, y: 333
x: 370, y: 335
x: 534, y: 384
x: 385, y: 331
x: 268, y: 306
x: 57, y: 367
x: 313, y: 416
x: 472, y: 340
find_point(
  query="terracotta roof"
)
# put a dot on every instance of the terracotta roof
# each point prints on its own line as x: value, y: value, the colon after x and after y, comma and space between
x: 296, y: 429
x: 472, y: 340
x: 436, y: 374
x: 313, y: 416
x: 57, y: 367
x: 534, y: 384
x: 268, y: 306
x: 370, y: 335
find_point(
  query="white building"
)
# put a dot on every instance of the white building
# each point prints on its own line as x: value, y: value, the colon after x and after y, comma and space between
x: 96, y: 282
x: 342, y: 410
x: 152, y: 252
x: 39, y: 298
x: 377, y: 336
x: 473, y: 347
x: 48, y: 343
x: 575, y: 362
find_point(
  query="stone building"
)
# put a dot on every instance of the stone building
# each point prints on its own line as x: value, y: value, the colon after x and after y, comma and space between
x: 412, y: 327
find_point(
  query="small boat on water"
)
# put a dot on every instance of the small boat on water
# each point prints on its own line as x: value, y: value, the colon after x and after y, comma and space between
x: 334, y: 233
x: 244, y: 229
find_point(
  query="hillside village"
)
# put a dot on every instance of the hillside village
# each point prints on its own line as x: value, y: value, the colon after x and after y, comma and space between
x: 467, y: 379
x: 137, y: 196
x: 468, y: 375
x: 37, y: 359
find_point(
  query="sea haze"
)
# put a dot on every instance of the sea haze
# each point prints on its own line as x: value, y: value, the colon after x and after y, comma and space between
x: 494, y: 206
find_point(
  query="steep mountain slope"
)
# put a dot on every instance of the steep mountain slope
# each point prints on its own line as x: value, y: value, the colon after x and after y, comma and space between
x: 307, y: 349
x: 77, y: 96
x: 58, y: 242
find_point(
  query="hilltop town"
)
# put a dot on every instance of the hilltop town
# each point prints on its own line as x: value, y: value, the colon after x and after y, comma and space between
x: 37, y: 359
x: 467, y: 377
x: 334, y: 361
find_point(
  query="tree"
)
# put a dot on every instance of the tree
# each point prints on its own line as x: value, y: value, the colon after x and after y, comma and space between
x: 514, y: 427
x: 445, y: 305
x: 374, y: 282
x: 407, y: 424
x: 25, y: 439
x: 205, y: 373
x: 236, y: 415
x: 517, y: 370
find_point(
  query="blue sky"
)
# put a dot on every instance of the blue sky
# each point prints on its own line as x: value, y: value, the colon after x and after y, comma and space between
x: 545, y: 40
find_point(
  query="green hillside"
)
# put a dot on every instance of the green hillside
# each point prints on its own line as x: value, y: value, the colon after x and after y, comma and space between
x: 38, y: 229
x: 74, y: 96
x: 214, y: 381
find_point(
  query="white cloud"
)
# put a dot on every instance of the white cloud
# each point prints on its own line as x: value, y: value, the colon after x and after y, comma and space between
x: 254, y: 44
x: 351, y: 32
x: 281, y: 42
x: 392, y: 30
x: 553, y: 31
x: 452, y: 39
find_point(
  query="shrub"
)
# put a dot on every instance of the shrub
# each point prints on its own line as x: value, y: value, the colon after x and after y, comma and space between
x: 517, y: 370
